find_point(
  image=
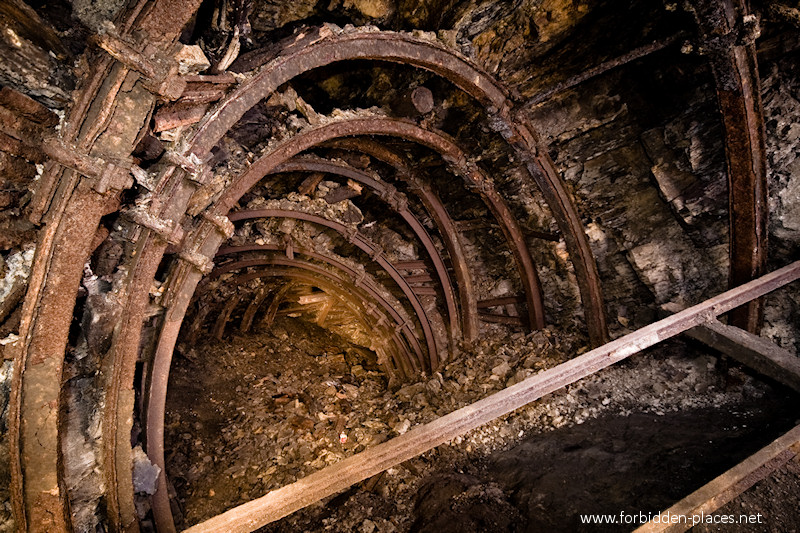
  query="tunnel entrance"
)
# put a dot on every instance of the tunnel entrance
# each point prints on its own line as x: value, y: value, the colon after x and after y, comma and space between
x: 254, y: 411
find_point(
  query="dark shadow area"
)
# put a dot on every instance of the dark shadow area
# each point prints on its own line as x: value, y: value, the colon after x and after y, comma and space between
x: 611, y: 465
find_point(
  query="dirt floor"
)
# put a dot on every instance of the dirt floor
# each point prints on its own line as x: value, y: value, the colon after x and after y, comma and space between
x: 254, y: 413
x: 775, y: 499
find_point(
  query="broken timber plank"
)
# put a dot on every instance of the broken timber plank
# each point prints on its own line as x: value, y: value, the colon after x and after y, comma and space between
x: 751, y: 350
x: 710, y: 497
x: 335, y: 478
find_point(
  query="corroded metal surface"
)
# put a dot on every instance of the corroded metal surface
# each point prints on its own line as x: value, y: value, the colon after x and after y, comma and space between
x: 38, y: 498
x: 399, y: 205
x: 732, y: 53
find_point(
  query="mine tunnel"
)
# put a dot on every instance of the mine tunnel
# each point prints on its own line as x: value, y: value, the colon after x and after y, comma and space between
x: 372, y: 266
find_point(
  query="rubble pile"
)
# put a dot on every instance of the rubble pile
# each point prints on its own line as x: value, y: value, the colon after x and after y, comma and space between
x: 262, y: 411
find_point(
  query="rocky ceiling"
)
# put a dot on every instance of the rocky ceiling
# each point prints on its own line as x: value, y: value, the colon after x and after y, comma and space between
x: 402, y: 174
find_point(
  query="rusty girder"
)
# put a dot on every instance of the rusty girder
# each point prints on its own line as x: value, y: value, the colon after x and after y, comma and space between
x: 323, y: 46
x: 375, y: 253
x: 729, y: 32
x: 398, y: 203
x: 72, y: 209
x: 365, y: 288
x: 438, y: 142
x: 439, y: 214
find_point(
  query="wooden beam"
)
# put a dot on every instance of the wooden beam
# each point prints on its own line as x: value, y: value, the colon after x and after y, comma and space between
x: 758, y: 353
x: 335, y: 478
x: 704, y: 501
x: 315, y: 298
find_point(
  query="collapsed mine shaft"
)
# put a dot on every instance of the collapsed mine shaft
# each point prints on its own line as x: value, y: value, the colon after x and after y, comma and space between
x: 256, y: 253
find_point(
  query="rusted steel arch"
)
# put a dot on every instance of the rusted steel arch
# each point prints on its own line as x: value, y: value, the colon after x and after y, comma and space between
x: 39, y: 499
x: 436, y: 141
x: 407, y: 362
x: 358, y: 240
x: 277, y: 299
x: 157, y: 386
x: 328, y: 46
x: 358, y: 279
x: 222, y: 318
x: 436, y: 209
x: 365, y: 286
x: 733, y: 59
x: 400, y: 354
x: 399, y: 205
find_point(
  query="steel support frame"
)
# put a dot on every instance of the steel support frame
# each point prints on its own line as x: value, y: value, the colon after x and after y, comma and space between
x: 323, y: 46
x: 371, y: 249
x: 63, y: 200
x: 399, y: 205
x: 438, y: 213
x: 732, y: 55
x: 437, y: 141
x: 367, y: 286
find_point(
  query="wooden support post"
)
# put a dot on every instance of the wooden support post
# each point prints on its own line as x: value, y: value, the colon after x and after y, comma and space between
x: 252, y: 309
x: 335, y: 478
x: 501, y: 319
x: 710, y: 497
x: 751, y: 350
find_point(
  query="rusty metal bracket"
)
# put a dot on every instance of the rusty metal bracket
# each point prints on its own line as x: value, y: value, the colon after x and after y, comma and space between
x: 159, y: 71
x: 201, y: 262
x: 107, y: 175
x: 170, y: 231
